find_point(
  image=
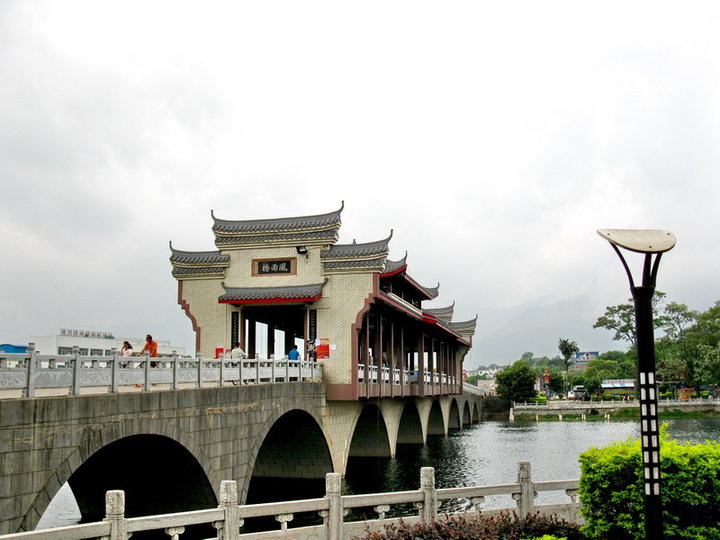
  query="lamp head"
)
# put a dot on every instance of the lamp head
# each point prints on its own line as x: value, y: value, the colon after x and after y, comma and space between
x: 640, y: 240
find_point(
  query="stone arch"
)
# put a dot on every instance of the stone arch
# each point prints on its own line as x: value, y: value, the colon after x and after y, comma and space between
x: 436, y: 420
x: 476, y: 411
x: 95, y: 441
x: 454, y: 420
x: 370, y: 436
x: 293, y: 448
x: 467, y: 415
x: 410, y: 429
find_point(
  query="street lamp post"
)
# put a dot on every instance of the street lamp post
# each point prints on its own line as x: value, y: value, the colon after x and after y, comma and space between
x: 649, y: 243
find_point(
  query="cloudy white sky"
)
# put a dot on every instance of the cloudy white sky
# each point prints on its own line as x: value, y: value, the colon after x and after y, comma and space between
x: 493, y: 137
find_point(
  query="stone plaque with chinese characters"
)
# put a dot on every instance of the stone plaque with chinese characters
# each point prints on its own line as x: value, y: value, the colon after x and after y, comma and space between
x: 264, y: 267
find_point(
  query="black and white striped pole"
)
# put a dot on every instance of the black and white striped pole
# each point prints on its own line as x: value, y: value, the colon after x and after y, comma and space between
x: 652, y: 244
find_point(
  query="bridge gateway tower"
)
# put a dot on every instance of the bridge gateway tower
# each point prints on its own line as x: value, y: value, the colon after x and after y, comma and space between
x: 361, y: 312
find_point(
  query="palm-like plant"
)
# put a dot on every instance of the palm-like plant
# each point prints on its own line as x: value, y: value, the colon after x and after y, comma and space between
x: 568, y: 349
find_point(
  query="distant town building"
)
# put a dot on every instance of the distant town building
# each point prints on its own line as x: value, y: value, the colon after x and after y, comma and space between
x: 96, y: 343
x: 7, y: 348
x: 583, y: 358
x: 618, y: 387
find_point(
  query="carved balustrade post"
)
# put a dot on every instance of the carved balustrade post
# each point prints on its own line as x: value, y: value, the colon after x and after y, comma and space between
x: 333, y: 488
x: 115, y: 514
x: 427, y: 486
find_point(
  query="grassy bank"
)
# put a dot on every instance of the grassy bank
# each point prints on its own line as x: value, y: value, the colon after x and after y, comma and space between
x: 620, y: 415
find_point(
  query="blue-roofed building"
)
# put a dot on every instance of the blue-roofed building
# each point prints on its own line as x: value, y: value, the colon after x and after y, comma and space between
x: 582, y: 359
x: 7, y: 348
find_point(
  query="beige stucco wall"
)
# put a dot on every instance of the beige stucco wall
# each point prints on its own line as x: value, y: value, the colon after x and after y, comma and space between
x: 239, y: 273
x: 343, y: 298
x: 201, y: 296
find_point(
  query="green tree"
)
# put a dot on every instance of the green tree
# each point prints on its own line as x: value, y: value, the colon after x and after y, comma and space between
x: 568, y: 349
x: 707, y: 366
x: 516, y: 382
x: 621, y: 319
x: 602, y: 369
x: 593, y: 386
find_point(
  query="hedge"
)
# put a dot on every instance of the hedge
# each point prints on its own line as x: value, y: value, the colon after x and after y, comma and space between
x: 611, y: 490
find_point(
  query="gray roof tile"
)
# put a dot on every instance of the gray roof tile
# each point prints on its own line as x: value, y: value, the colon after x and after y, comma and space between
x: 394, y: 266
x: 267, y: 293
x: 277, y: 225
x: 293, y: 237
x: 354, y: 250
x: 197, y: 257
x: 196, y: 271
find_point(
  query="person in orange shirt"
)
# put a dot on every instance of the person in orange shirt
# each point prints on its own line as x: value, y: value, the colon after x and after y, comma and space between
x: 150, y: 346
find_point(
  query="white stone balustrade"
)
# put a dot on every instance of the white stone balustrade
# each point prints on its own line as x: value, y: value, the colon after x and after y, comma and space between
x: 31, y: 374
x: 229, y: 517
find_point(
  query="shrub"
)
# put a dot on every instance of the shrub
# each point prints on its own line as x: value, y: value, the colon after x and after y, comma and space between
x: 506, y: 526
x: 611, y: 490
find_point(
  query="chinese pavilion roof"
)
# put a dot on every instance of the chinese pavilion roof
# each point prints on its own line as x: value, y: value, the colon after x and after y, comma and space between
x: 464, y: 328
x: 394, y: 267
x: 428, y: 292
x: 317, y: 230
x: 444, y: 314
x: 368, y: 257
x: 198, y: 264
x: 263, y: 295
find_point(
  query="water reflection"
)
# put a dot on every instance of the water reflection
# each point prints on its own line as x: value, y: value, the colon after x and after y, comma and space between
x: 483, y: 454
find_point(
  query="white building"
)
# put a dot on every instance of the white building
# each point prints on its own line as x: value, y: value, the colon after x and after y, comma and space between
x: 96, y: 343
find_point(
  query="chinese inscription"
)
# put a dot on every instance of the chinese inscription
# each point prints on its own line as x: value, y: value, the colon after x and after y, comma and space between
x: 274, y: 267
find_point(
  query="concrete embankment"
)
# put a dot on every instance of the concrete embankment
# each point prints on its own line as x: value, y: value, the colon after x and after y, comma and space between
x: 602, y: 409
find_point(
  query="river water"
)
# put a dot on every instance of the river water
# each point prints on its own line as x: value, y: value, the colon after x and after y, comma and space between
x: 483, y: 454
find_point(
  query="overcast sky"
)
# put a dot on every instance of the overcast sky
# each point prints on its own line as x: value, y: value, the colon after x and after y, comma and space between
x: 493, y: 137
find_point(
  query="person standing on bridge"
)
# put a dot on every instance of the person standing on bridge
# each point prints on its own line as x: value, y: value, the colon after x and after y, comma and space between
x: 293, y: 354
x: 151, y: 347
x: 237, y: 351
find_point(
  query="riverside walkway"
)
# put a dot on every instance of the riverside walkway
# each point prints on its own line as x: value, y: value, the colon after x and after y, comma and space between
x: 229, y: 517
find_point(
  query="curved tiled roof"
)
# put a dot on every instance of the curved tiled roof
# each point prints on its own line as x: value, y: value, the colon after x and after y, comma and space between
x: 204, y: 271
x: 197, y: 258
x: 394, y: 266
x: 254, y: 227
x: 358, y: 251
x: 188, y: 265
x: 464, y: 327
x: 432, y: 291
x: 300, y: 293
x: 326, y: 237
x: 444, y: 314
x: 365, y: 263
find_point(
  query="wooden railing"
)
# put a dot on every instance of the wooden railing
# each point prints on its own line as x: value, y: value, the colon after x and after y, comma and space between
x: 229, y: 517
x: 33, y: 374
